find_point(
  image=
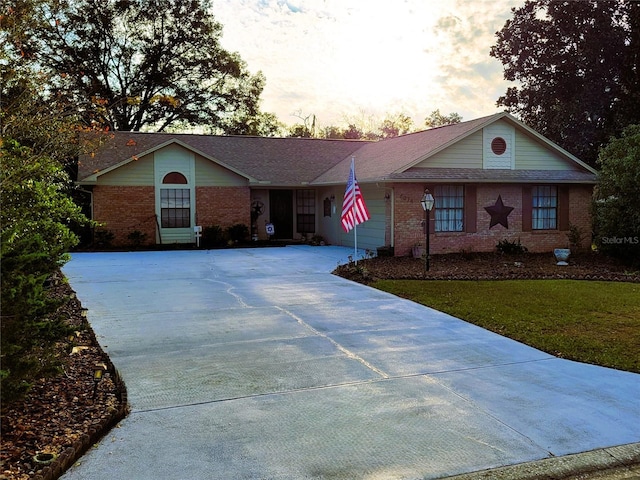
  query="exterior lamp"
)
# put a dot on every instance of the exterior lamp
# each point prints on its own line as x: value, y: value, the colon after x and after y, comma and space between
x: 427, y: 203
x: 98, y: 373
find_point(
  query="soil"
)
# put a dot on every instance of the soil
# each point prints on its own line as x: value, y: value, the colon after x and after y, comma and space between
x: 489, y: 266
x: 62, y: 416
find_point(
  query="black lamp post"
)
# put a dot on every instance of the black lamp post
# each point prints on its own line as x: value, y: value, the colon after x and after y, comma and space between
x: 427, y: 204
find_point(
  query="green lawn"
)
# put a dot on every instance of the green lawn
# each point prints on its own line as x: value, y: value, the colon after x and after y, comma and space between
x: 592, y: 322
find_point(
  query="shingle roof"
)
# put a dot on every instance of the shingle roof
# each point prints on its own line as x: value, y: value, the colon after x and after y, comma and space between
x: 282, y: 161
x: 479, y: 175
x: 299, y: 161
x: 378, y: 161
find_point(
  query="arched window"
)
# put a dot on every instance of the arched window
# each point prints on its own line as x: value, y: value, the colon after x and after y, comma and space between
x: 175, y: 203
x: 175, y: 178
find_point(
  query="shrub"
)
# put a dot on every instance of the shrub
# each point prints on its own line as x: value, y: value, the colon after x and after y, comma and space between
x: 103, y: 238
x: 616, y: 210
x: 212, y: 236
x: 510, y: 247
x: 238, y: 233
x: 317, y: 240
x: 575, y: 236
x: 35, y: 236
x: 137, y: 238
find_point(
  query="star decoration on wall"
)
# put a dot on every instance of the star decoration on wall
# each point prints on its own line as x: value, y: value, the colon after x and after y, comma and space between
x: 499, y: 213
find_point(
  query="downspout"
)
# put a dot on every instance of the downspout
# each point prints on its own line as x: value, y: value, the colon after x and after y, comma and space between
x: 392, y: 240
x: 90, y: 192
x: 159, y: 232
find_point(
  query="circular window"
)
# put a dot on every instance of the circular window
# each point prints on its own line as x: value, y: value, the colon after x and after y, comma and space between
x: 498, y: 145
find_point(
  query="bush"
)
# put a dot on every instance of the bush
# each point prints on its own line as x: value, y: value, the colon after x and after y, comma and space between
x: 238, y: 233
x: 137, y: 238
x: 616, y: 211
x: 212, y: 237
x: 103, y: 238
x: 35, y: 236
x: 510, y: 247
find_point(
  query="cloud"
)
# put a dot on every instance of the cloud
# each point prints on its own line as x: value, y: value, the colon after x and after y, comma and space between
x: 334, y: 57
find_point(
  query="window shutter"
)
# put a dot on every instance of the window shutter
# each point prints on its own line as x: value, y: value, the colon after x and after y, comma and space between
x: 527, y: 209
x: 470, y: 214
x: 563, y: 208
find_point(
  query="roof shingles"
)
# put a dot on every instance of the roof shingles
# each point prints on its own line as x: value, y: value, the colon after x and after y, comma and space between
x: 301, y: 161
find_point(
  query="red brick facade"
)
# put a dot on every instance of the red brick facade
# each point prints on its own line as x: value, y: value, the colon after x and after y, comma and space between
x: 122, y: 210
x: 409, y: 220
x: 223, y: 206
x: 125, y: 209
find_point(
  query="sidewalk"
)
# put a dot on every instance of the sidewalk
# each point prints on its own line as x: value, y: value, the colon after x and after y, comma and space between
x: 258, y: 363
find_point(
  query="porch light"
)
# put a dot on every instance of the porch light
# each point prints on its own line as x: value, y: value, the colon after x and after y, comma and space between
x: 427, y: 203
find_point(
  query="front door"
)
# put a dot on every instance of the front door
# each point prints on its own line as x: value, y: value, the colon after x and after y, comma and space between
x: 281, y: 211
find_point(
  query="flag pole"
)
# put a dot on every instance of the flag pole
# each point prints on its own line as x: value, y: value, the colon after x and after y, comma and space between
x: 353, y: 213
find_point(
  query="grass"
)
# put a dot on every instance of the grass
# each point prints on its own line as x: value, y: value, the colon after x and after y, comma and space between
x: 591, y: 322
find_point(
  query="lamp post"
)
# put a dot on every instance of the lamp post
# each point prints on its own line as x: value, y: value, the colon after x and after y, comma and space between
x: 427, y: 204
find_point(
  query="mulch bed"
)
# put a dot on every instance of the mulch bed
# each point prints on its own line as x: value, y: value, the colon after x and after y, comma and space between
x: 61, y: 415
x: 489, y: 266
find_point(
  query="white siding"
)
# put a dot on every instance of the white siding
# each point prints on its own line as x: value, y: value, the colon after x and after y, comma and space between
x: 491, y: 160
x: 467, y: 153
x: 210, y: 174
x: 174, y: 158
x: 532, y: 155
x: 371, y: 232
x: 135, y: 173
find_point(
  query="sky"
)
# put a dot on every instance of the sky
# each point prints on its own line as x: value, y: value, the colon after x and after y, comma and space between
x: 343, y: 60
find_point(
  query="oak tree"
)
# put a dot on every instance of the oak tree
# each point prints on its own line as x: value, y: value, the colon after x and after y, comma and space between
x: 149, y: 64
x: 575, y: 69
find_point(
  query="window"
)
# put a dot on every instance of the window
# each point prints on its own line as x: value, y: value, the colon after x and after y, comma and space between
x: 498, y: 145
x: 306, y: 211
x: 545, y: 208
x: 175, y: 178
x: 449, y: 208
x: 175, y: 208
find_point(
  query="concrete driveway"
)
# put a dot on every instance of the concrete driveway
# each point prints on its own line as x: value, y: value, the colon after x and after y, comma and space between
x: 260, y: 364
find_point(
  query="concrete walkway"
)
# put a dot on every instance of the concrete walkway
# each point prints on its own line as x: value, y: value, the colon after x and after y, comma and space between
x: 260, y: 364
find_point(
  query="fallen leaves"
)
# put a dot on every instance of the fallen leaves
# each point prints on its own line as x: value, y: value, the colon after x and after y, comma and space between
x: 59, y: 410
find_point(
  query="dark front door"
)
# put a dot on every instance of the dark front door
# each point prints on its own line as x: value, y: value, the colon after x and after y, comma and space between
x: 281, y: 209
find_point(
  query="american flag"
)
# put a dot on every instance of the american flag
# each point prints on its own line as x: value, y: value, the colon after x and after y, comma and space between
x: 354, y: 210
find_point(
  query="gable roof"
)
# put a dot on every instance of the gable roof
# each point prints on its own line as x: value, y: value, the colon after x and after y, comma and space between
x: 306, y: 161
x: 394, y: 158
x: 282, y: 161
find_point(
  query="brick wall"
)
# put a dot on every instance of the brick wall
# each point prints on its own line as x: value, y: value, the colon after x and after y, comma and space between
x: 223, y: 206
x: 123, y: 210
x: 409, y: 222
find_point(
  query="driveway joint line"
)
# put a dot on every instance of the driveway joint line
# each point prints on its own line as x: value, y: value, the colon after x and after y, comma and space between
x: 343, y: 349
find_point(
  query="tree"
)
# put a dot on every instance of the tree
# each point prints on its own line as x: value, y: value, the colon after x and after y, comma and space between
x: 576, y: 65
x: 38, y: 138
x: 436, y: 119
x: 146, y: 64
x: 616, y: 209
x: 396, y: 125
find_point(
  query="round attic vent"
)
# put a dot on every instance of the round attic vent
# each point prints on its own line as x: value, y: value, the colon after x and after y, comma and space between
x: 498, y: 145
